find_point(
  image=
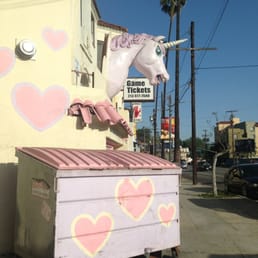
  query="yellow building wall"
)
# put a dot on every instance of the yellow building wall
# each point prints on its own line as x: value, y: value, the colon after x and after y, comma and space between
x: 35, y: 94
x: 45, y: 77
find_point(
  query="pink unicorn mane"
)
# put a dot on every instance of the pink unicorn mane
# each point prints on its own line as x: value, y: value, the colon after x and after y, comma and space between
x: 126, y: 40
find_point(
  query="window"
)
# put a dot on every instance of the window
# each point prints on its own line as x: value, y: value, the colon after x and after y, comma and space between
x: 100, y: 46
x: 81, y: 13
x: 101, y: 51
x: 93, y: 29
x: 85, y: 79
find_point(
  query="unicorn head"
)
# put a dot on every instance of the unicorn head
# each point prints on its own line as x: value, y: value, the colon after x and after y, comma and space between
x: 149, y: 61
x: 143, y: 51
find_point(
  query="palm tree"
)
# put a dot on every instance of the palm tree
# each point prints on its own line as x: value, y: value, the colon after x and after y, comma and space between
x: 168, y: 7
x: 172, y: 7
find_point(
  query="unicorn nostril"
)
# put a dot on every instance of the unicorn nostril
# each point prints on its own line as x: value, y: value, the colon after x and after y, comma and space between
x: 161, y: 78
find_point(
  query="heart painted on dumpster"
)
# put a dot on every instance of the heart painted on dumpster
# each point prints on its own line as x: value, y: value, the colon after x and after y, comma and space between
x: 135, y: 198
x: 166, y: 213
x: 55, y: 39
x: 7, y: 60
x: 40, y: 110
x: 91, y: 234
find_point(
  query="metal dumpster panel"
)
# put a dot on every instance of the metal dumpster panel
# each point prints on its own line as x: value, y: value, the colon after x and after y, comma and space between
x: 137, y: 216
x: 102, y: 215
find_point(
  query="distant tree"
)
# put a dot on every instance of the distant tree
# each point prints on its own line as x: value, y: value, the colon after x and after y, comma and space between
x: 217, y: 151
x: 200, y: 143
x: 143, y: 135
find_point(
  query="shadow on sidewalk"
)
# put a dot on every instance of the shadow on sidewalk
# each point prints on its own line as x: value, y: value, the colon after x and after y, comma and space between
x: 199, y: 190
x: 233, y: 256
x: 241, y: 206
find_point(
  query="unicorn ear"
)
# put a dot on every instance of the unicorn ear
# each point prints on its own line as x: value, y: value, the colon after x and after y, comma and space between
x: 159, y: 39
x: 173, y: 43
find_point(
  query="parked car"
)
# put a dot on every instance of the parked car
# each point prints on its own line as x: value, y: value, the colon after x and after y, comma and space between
x: 242, y: 179
x: 184, y: 164
x: 203, y: 166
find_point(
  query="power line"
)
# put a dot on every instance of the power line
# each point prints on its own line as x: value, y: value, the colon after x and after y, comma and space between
x: 187, y: 87
x: 212, y: 34
x: 208, y: 42
x: 205, y: 49
x: 227, y: 67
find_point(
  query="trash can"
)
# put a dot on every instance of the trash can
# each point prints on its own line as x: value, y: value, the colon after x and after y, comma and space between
x: 94, y: 203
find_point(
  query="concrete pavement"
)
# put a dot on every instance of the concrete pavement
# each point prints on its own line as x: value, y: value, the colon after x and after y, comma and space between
x: 216, y: 227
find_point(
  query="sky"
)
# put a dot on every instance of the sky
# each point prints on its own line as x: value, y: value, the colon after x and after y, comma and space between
x: 226, y: 78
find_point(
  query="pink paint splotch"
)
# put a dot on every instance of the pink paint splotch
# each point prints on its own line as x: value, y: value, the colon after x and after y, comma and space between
x: 41, y: 110
x: 55, y: 39
x: 7, y: 60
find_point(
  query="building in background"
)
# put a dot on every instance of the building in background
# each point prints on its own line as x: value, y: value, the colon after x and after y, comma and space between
x: 240, y: 138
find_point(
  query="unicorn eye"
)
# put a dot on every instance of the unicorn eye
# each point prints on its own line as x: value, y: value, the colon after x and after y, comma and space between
x: 158, y: 51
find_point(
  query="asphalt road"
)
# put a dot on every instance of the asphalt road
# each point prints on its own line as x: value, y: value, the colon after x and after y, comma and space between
x: 205, y: 177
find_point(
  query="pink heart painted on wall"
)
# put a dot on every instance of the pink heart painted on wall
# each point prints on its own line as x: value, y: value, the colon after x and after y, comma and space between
x: 39, y: 109
x: 92, y: 234
x: 55, y: 39
x: 135, y: 198
x: 7, y: 60
x: 167, y: 213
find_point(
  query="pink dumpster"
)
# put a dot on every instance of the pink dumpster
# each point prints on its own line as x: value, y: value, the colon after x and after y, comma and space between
x: 94, y: 203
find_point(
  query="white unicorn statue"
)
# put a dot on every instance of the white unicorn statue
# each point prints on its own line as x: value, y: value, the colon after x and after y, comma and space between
x: 143, y: 51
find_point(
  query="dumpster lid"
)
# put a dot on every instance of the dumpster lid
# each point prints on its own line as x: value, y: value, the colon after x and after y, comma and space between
x: 67, y: 159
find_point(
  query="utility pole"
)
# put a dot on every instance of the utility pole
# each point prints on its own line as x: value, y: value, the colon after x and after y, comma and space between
x: 205, y: 135
x: 206, y: 140
x: 155, y: 110
x: 170, y: 126
x: 216, y: 116
x: 163, y: 116
x: 174, y: 7
x: 177, y: 122
x: 193, y: 106
x: 163, y: 95
x: 154, y: 120
x: 193, y: 49
x: 177, y: 135
x: 232, y: 136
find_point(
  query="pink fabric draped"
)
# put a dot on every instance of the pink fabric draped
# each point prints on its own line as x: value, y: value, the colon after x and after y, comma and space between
x: 104, y: 111
x: 80, y: 108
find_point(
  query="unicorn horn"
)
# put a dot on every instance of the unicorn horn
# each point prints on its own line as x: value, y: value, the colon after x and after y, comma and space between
x: 173, y: 43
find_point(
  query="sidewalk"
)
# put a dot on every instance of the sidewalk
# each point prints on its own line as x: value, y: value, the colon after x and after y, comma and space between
x: 216, y: 228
